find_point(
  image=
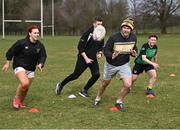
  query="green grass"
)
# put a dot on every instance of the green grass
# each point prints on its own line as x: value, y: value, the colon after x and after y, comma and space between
x: 62, y: 113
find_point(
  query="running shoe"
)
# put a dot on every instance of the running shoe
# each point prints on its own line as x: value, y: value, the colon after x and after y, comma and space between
x: 58, y: 89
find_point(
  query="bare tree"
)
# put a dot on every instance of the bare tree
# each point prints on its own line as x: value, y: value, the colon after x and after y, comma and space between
x: 76, y: 15
x: 162, y: 9
x: 134, y: 11
x: 116, y: 11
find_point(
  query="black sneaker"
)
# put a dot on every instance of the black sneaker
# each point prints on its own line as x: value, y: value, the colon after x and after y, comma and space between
x: 58, y: 89
x: 96, y: 103
x: 84, y: 94
x: 149, y: 91
x: 120, y: 107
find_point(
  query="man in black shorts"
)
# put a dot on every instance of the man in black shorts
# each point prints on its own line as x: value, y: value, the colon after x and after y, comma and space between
x: 147, y: 60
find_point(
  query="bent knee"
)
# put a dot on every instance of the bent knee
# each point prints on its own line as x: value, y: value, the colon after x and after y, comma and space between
x: 105, y: 83
x: 128, y: 85
x: 96, y: 75
x: 154, y: 76
x: 25, y: 84
x: 74, y: 76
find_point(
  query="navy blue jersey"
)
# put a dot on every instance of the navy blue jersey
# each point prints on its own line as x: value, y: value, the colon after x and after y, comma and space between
x: 27, y: 54
x: 117, y: 38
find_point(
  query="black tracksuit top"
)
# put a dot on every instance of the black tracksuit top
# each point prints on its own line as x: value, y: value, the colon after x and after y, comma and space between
x: 88, y: 45
x: 26, y: 54
x: 121, y: 59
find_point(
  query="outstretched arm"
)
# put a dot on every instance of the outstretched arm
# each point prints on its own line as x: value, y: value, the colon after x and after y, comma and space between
x: 6, y: 66
x: 150, y: 62
x: 42, y: 58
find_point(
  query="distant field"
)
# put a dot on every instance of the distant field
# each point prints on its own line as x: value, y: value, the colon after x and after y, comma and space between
x: 62, y: 113
x: 170, y: 30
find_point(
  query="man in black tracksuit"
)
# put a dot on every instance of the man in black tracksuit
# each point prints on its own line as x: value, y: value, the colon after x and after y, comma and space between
x: 89, y: 50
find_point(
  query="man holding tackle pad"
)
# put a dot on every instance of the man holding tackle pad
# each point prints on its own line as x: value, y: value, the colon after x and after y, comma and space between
x: 117, y: 51
x: 122, y: 48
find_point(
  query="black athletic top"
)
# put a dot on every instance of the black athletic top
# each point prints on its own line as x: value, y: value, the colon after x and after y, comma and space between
x: 27, y: 54
x: 88, y: 45
x: 117, y: 38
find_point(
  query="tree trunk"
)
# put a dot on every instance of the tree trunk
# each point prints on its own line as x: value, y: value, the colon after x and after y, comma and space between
x: 163, y: 27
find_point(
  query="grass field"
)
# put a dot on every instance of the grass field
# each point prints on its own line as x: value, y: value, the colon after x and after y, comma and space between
x: 62, y: 113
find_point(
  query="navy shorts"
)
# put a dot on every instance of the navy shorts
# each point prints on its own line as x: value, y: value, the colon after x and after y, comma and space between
x: 139, y: 68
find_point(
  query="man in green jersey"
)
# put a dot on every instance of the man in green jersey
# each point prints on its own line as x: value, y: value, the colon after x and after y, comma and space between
x: 147, y: 60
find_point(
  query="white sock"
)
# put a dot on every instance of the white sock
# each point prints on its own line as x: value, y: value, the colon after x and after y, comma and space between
x: 119, y: 101
x: 97, y: 99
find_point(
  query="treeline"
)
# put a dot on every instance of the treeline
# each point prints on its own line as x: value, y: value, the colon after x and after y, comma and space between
x: 74, y: 16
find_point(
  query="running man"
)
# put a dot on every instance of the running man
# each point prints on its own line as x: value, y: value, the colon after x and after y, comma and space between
x: 89, y: 50
x: 117, y: 51
x: 147, y: 61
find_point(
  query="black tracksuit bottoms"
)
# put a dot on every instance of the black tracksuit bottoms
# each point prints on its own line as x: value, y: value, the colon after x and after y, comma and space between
x: 80, y: 67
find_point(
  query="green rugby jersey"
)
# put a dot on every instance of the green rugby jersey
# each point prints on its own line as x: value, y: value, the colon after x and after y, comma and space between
x: 150, y: 52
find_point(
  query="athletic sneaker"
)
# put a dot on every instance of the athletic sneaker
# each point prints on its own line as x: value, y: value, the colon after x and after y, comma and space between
x: 96, y: 103
x: 16, y: 103
x: 58, y: 89
x: 84, y: 94
x: 120, y: 107
x: 22, y: 106
x: 149, y: 91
